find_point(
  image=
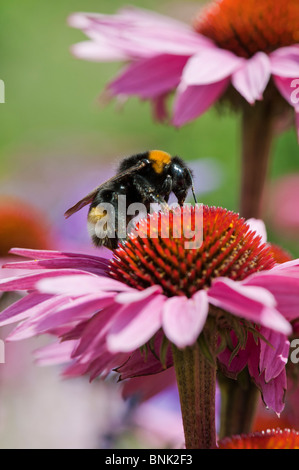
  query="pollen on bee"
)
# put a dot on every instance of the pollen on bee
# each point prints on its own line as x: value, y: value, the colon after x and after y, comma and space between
x: 95, y: 214
x: 160, y: 159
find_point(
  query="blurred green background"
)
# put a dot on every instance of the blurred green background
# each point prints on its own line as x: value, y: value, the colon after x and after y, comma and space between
x: 52, y: 110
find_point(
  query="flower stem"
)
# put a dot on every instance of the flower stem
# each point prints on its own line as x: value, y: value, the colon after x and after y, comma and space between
x: 196, y: 378
x: 258, y: 124
x: 257, y: 136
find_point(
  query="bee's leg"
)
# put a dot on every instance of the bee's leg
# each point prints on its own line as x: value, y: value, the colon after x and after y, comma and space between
x: 148, y: 192
x: 166, y: 187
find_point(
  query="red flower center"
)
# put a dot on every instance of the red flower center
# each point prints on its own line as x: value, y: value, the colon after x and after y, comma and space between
x: 228, y: 248
x: 246, y: 27
x: 270, y: 439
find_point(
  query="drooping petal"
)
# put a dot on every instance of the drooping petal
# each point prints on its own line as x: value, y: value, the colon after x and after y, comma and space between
x: 252, y: 78
x: 148, y: 386
x: 139, y: 364
x: 135, y: 324
x: 29, y: 282
x: 23, y: 308
x: 27, y: 328
x: 92, y: 333
x: 273, y: 392
x: 184, y: 319
x: 255, y: 304
x: 234, y: 365
x: 192, y: 101
x: 273, y: 358
x: 55, y: 353
x: 80, y: 285
x: 76, y: 310
x: 210, y: 65
x: 149, y: 78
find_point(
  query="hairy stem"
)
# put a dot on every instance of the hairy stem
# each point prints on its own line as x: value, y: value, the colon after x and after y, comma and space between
x: 196, y: 378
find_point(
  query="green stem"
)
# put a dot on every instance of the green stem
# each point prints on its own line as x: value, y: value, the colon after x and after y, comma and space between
x: 196, y: 378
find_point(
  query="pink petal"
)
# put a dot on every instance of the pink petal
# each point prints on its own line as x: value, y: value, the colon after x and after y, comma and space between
x: 151, y: 77
x: 28, y: 328
x: 273, y: 359
x: 251, y: 80
x: 137, y: 295
x: 193, y: 101
x: 50, y: 254
x: 160, y: 112
x: 210, y: 65
x: 135, y: 324
x: 285, y: 62
x: 285, y: 289
x: 139, y: 33
x: 139, y: 364
x: 253, y: 303
x: 76, y: 310
x: 100, y: 51
x: 92, y: 337
x: 23, y: 308
x: 258, y: 226
x: 288, y: 91
x: 28, y: 282
x: 237, y: 364
x: 274, y: 392
x: 81, y: 285
x: 148, y: 386
x: 54, y: 353
x: 90, y: 265
x: 184, y: 319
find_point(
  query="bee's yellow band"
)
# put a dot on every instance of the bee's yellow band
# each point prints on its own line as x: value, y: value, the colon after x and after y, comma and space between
x: 160, y: 159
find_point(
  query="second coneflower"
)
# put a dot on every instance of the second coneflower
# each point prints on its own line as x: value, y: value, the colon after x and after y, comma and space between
x: 245, y: 53
x: 156, y: 303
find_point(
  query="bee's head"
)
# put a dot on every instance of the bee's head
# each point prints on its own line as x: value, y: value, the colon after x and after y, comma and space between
x: 181, y: 179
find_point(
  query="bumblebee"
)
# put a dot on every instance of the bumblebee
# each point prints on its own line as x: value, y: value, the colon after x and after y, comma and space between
x: 146, y: 178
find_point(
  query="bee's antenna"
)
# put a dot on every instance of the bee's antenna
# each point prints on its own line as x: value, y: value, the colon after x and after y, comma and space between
x: 192, y: 186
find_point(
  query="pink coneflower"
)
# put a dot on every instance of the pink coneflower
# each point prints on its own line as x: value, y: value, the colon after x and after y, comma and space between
x: 155, y: 303
x: 231, y: 42
x: 246, y: 53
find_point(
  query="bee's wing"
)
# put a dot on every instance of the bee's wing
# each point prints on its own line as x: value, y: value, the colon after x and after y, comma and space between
x: 90, y: 197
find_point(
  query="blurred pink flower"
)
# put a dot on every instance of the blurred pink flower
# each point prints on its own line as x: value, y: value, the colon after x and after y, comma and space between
x: 199, y: 64
x: 283, y: 206
x: 104, y: 321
